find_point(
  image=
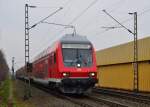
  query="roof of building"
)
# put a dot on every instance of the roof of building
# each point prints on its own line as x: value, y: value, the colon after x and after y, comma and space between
x: 124, y: 53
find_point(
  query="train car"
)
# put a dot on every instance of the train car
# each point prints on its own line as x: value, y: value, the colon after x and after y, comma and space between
x: 20, y: 73
x: 68, y: 65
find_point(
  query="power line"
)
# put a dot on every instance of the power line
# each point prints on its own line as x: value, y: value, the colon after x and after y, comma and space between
x: 116, y: 3
x: 46, y: 43
x: 64, y: 5
x: 91, y: 4
x: 46, y: 7
x: 126, y: 20
x: 68, y: 8
x: 67, y: 2
x: 46, y: 18
x: 41, y: 47
x: 78, y: 16
x: 117, y: 21
x: 144, y: 12
x: 116, y: 7
x: 63, y: 25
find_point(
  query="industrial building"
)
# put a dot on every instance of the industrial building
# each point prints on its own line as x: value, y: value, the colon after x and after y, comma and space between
x: 116, y: 70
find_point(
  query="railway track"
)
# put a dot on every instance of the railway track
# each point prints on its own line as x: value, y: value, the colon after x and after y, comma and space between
x: 82, y: 101
x: 85, y: 100
x: 108, y: 102
x: 136, y: 97
x: 60, y: 95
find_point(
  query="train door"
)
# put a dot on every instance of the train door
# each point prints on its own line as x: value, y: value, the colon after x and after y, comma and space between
x: 46, y: 69
x: 53, y: 66
x: 50, y: 65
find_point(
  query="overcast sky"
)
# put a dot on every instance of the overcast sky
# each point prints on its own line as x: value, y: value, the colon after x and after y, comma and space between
x: 85, y: 15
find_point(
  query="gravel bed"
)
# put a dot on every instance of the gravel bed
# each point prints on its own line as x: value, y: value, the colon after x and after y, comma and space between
x: 88, y: 101
x: 40, y: 98
x: 43, y: 99
x: 121, y: 100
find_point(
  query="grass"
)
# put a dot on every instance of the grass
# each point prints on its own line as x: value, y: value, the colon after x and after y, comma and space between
x: 4, y: 92
x: 10, y: 90
x: 18, y: 92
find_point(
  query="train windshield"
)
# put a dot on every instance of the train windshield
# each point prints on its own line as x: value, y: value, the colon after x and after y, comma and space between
x: 77, y: 55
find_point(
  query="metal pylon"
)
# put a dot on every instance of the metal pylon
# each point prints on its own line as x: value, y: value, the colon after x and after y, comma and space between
x: 136, y: 82
x: 27, y: 53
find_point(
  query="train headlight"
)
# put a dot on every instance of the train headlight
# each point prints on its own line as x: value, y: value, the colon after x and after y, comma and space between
x: 78, y: 65
x: 92, y: 74
x: 65, y: 74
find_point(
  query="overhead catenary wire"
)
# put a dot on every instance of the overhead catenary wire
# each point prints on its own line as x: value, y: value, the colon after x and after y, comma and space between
x: 58, y: 24
x: 96, y: 33
x: 80, y: 14
x: 126, y: 20
x: 46, y: 18
x: 68, y: 8
x: 63, y: 25
x: 114, y: 4
x: 118, y: 21
x: 40, y: 49
x: 66, y: 3
x: 46, y: 7
x: 113, y: 27
x: 142, y: 13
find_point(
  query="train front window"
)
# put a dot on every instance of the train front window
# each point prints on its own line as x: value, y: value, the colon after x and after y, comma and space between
x: 77, y: 55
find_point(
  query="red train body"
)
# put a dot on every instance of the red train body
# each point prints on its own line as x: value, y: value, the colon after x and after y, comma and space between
x: 69, y: 65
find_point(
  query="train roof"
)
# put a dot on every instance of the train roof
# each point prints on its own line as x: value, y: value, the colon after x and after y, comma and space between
x: 71, y: 38
x: 67, y: 38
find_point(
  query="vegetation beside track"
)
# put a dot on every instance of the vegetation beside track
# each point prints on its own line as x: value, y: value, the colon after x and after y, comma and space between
x: 9, y: 96
x: 4, y: 92
x: 18, y: 93
x: 3, y: 67
x: 4, y: 81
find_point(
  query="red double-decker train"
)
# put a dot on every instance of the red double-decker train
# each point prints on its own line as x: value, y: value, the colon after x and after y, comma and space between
x: 68, y: 65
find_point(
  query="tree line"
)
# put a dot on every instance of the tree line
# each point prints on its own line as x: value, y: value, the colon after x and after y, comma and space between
x: 4, y: 69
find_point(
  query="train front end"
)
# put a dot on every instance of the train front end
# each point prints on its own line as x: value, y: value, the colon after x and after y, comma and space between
x: 78, y: 65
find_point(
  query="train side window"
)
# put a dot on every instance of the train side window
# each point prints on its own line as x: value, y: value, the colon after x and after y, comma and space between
x: 54, y: 58
x: 51, y: 59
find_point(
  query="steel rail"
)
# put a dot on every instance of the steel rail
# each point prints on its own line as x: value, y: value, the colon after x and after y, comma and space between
x: 58, y: 95
x: 126, y: 95
x: 107, y: 102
